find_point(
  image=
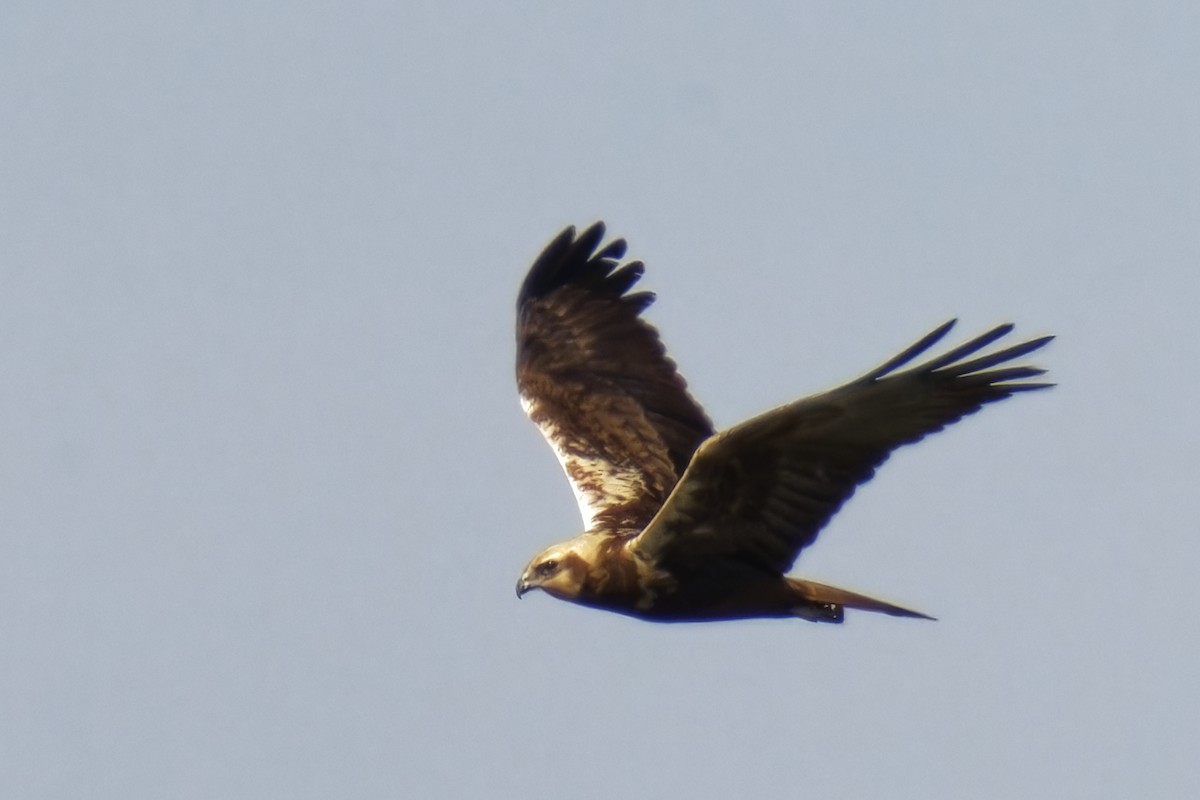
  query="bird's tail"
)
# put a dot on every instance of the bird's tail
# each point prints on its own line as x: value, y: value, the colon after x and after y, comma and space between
x: 820, y: 603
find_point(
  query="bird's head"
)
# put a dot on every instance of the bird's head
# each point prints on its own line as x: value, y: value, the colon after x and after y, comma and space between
x: 560, y: 570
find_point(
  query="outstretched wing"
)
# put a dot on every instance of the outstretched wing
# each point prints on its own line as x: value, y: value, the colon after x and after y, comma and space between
x: 596, y: 380
x: 762, y: 491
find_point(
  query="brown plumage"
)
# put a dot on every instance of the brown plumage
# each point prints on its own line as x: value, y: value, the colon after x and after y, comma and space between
x: 685, y: 524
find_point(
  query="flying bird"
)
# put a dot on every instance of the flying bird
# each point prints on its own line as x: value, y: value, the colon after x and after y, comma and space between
x: 683, y: 523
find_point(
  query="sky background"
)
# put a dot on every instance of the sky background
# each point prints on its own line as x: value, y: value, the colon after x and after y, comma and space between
x: 265, y: 486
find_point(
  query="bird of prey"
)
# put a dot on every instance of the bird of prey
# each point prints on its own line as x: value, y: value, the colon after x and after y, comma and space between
x: 684, y: 523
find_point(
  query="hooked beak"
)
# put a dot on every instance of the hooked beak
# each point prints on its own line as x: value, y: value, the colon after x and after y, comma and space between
x: 522, y: 587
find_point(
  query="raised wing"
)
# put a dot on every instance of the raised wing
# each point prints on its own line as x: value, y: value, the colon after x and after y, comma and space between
x: 761, y: 492
x: 596, y: 380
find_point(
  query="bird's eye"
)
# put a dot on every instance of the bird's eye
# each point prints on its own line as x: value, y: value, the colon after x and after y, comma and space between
x: 547, y: 567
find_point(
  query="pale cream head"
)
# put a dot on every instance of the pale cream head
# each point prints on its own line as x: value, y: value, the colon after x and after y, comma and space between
x: 560, y: 569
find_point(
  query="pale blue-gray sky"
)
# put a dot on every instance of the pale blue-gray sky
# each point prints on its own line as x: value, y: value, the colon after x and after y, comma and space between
x: 264, y: 483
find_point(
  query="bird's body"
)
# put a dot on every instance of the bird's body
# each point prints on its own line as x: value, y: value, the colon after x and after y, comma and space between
x: 683, y: 523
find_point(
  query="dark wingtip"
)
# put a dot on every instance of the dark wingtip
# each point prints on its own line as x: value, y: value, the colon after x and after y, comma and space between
x: 978, y: 369
x: 578, y: 260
